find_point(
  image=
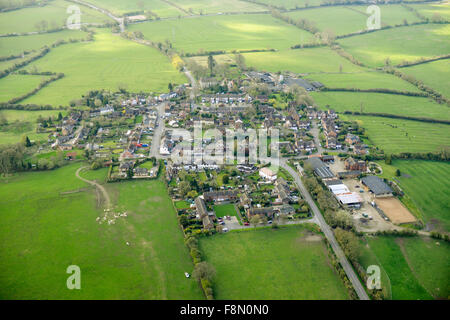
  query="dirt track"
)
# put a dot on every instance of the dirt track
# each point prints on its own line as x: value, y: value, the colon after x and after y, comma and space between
x: 98, y: 186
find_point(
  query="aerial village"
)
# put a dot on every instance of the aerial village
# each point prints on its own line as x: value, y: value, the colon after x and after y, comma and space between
x: 134, y: 135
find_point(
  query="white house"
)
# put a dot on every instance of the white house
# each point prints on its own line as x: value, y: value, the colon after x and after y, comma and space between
x: 267, y: 174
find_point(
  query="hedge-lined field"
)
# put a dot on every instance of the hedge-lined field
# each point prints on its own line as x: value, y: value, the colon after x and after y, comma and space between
x: 433, y: 74
x: 17, y: 45
x: 364, y: 80
x: 109, y: 62
x: 427, y: 184
x: 398, y: 135
x: 288, y: 263
x: 309, y: 60
x: 227, y: 32
x: 54, y: 13
x: 417, y: 267
x: 44, y: 230
x: 382, y: 103
x: 405, y: 43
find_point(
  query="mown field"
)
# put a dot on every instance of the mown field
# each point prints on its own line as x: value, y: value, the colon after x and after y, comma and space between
x: 343, y: 20
x: 232, y: 32
x: 15, y: 85
x: 433, y: 74
x: 292, y: 4
x: 430, y: 10
x: 397, y: 135
x: 17, y: 45
x: 288, y: 263
x: 311, y: 60
x: 364, y: 80
x: 43, y: 231
x: 426, y: 185
x: 417, y: 267
x: 54, y: 13
x: 109, y: 62
x: 382, y: 103
x: 217, y: 6
x: 400, y: 44
x: 119, y: 7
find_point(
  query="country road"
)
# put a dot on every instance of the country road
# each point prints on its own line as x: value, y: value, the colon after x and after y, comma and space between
x: 328, y: 233
x: 120, y: 21
x: 157, y: 134
x: 98, y: 186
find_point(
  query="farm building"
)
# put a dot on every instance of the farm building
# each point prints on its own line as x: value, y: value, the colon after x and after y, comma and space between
x: 320, y: 168
x: 377, y: 186
x: 343, y: 194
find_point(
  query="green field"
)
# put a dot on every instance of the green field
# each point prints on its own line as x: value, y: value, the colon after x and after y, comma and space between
x: 17, y: 45
x: 233, y: 32
x: 433, y: 74
x: 109, y: 62
x: 429, y: 10
x: 311, y: 60
x: 325, y: 19
x: 54, y: 13
x: 382, y: 103
x: 426, y: 183
x: 179, y: 7
x: 364, y: 80
x: 417, y: 267
x: 400, y: 44
x: 398, y: 135
x: 119, y: 7
x: 43, y: 231
x: 292, y: 4
x: 217, y: 6
x: 288, y: 263
x: 15, y: 85
x: 24, y: 123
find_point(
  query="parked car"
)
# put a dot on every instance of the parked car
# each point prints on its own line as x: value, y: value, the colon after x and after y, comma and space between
x: 187, y: 275
x: 225, y: 229
x: 246, y: 224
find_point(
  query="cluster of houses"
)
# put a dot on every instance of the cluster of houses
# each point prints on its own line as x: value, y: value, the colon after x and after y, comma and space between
x: 131, y: 169
x: 69, y: 134
x: 330, y: 130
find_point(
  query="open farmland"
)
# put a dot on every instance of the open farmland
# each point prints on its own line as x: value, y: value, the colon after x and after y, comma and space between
x: 426, y: 185
x: 17, y: 45
x: 398, y: 135
x: 49, y: 227
x: 292, y: 4
x: 119, y: 7
x: 294, y: 264
x: 309, y: 60
x: 433, y: 74
x: 417, y: 267
x: 54, y: 13
x: 108, y: 62
x: 325, y: 19
x: 364, y: 80
x: 16, y: 85
x: 217, y: 6
x: 382, y: 103
x: 227, y: 33
x: 401, y: 44
x: 431, y: 10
